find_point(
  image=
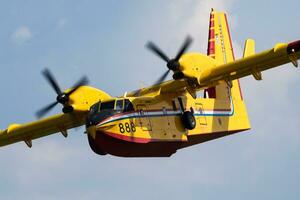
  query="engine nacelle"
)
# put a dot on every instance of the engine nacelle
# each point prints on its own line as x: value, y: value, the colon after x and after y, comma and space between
x: 192, y: 65
x: 85, y: 96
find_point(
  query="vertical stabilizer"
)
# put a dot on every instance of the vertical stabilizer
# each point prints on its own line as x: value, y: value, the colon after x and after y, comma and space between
x: 220, y: 48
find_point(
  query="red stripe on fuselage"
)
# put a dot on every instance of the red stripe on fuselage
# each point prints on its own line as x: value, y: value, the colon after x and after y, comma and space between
x: 127, y: 138
x: 138, y: 139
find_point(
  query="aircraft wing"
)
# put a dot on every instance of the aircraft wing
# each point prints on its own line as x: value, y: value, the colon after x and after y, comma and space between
x: 252, y: 64
x: 40, y: 128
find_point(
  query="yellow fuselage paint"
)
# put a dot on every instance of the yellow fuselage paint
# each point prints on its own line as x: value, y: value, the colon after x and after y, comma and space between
x: 160, y: 119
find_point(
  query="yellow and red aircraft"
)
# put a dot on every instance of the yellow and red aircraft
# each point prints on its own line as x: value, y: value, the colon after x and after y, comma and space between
x: 156, y: 121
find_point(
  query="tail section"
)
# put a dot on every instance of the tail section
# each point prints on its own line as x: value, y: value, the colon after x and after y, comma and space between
x: 220, y: 48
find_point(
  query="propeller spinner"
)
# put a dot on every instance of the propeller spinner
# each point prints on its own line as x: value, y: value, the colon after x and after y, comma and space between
x: 62, y: 97
x: 172, y: 64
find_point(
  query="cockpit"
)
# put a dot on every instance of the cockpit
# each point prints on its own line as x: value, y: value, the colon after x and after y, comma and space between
x: 121, y: 105
x: 101, y: 110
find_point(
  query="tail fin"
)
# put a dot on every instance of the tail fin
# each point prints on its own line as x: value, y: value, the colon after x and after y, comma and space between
x: 220, y: 48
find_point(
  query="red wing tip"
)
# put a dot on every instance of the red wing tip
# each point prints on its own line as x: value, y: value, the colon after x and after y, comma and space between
x: 293, y: 46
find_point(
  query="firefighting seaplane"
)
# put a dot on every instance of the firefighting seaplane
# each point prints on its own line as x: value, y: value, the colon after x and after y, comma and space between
x: 157, y: 121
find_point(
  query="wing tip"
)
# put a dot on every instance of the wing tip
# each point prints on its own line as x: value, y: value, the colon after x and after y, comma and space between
x: 293, y: 46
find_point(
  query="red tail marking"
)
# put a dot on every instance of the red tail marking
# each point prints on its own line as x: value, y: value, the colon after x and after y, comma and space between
x: 211, y: 52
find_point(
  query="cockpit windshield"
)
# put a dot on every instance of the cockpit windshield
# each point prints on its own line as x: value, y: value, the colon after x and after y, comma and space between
x: 109, y: 105
x: 95, y: 108
x: 123, y: 105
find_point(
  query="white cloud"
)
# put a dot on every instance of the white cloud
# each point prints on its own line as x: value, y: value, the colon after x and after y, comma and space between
x: 197, y: 19
x: 238, y: 49
x: 21, y: 35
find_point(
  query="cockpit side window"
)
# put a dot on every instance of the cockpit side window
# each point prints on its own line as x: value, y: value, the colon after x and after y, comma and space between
x: 119, y: 104
x: 95, y: 108
x: 109, y: 105
x: 128, y: 106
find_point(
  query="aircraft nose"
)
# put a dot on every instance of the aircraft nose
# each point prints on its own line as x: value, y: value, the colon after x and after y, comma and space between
x: 95, y: 118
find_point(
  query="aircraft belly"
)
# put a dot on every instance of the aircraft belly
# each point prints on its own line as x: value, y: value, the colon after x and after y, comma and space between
x: 106, y: 144
x: 119, y: 147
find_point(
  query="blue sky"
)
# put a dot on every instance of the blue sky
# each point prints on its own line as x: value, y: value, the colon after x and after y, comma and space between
x: 105, y: 41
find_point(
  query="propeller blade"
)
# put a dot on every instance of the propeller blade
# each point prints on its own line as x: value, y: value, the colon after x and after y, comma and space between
x: 184, y: 47
x: 157, y: 51
x: 50, y: 78
x: 83, y: 81
x: 46, y: 109
x: 162, y: 78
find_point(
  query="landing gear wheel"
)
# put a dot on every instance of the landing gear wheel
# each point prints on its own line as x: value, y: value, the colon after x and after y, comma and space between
x: 188, y: 120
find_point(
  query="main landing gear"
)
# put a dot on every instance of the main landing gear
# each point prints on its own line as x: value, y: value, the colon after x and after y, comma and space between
x: 188, y: 120
x: 187, y: 117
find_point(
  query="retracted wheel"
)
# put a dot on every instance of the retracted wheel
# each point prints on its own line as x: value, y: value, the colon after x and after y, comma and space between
x: 188, y: 120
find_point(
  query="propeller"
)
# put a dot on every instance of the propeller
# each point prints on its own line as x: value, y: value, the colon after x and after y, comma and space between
x: 172, y: 64
x: 62, y: 97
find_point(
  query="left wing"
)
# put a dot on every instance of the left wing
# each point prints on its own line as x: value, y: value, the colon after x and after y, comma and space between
x: 251, y: 64
x: 27, y: 132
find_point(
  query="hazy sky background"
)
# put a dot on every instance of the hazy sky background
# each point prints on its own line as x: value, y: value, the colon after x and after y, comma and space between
x: 105, y: 41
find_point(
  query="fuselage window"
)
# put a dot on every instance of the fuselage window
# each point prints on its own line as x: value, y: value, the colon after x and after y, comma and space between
x: 128, y: 106
x: 119, y: 104
x: 109, y: 105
